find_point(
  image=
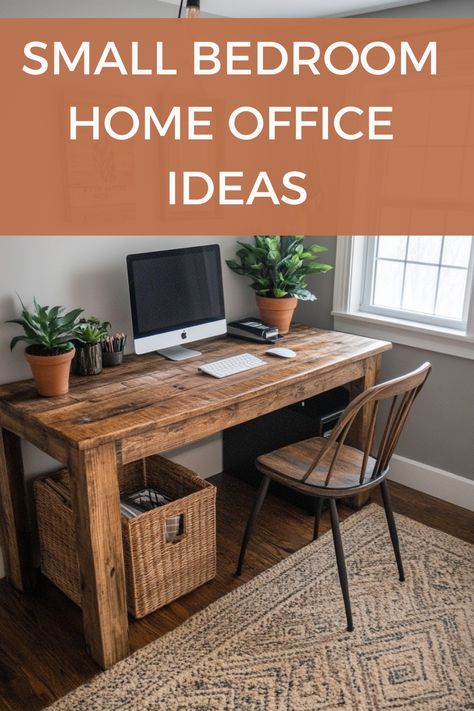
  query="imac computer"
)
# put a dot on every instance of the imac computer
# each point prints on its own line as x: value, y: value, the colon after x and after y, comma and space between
x: 176, y: 298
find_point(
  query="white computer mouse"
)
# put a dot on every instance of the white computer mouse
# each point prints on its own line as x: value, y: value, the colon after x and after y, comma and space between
x: 281, y: 352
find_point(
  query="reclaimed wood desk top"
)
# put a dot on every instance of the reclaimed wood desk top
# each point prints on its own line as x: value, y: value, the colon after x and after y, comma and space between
x: 151, y: 397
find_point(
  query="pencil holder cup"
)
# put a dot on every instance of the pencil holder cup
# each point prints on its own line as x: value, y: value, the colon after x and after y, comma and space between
x: 109, y: 360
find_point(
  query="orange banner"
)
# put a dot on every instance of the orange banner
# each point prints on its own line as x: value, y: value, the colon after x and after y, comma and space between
x: 237, y: 126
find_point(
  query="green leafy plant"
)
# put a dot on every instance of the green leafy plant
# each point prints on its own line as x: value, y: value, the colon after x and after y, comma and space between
x: 92, y: 331
x: 279, y: 266
x: 47, y: 330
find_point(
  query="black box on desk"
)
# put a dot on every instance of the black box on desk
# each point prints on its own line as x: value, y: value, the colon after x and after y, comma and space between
x: 314, y: 417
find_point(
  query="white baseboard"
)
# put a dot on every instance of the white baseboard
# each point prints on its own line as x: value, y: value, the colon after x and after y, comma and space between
x: 430, y: 480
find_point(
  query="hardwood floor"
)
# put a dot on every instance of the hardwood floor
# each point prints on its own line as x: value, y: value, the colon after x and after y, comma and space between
x: 42, y: 654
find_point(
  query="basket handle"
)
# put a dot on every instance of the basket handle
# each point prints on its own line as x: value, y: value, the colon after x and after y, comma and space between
x: 175, y: 528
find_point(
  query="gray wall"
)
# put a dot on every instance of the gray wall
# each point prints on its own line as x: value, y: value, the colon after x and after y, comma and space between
x: 441, y: 432
x: 318, y: 313
x: 441, y: 428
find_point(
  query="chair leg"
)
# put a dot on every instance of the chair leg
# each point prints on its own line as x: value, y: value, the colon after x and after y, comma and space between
x: 387, y: 502
x: 251, y: 522
x: 341, y: 564
x: 317, y: 516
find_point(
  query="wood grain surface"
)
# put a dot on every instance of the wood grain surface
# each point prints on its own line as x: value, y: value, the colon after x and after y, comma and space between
x: 144, y: 407
x: 150, y: 397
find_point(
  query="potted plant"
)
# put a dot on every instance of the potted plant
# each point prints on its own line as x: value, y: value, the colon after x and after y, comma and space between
x: 49, y: 334
x: 88, y: 358
x: 278, y: 267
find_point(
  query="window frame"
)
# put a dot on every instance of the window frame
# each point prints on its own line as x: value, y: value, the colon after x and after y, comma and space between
x: 350, y: 316
x: 418, y: 317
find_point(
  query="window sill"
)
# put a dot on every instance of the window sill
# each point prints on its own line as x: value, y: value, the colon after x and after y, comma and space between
x: 430, y: 338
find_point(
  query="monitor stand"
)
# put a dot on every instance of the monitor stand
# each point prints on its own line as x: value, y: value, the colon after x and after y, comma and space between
x: 178, y: 353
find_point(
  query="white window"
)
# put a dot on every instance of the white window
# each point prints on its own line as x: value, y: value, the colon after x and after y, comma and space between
x: 410, y: 289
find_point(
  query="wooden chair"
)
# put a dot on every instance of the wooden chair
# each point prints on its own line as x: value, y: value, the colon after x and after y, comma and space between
x: 330, y: 469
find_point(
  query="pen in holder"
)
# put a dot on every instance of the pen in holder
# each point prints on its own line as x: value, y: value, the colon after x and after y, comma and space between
x: 112, y: 350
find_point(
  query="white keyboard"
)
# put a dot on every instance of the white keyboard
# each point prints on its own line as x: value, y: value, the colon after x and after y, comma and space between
x: 231, y: 366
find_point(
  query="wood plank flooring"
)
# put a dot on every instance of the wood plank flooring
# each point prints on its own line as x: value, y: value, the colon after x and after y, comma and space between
x: 42, y: 654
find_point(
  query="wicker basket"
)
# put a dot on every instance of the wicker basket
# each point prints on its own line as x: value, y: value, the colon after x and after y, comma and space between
x: 157, y: 572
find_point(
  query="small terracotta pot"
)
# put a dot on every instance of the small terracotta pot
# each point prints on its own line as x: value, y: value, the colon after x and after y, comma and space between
x: 277, y: 312
x: 51, y: 373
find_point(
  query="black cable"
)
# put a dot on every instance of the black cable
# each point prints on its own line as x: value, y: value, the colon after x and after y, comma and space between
x: 180, y: 9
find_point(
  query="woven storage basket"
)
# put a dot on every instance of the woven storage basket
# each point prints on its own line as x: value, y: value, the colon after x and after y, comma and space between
x: 157, y: 572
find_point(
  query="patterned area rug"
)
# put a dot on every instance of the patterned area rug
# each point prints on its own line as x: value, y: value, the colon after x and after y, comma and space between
x: 279, y: 642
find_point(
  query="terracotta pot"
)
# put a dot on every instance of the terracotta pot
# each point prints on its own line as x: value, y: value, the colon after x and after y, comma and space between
x: 51, y: 373
x: 277, y: 312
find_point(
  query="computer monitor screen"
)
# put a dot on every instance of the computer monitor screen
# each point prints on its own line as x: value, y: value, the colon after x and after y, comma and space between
x: 176, y: 297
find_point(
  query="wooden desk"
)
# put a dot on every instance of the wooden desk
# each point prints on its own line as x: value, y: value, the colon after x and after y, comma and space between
x: 147, y: 406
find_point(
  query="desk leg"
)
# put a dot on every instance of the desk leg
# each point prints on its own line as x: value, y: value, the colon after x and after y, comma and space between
x: 360, y: 429
x: 14, y: 529
x: 95, y: 500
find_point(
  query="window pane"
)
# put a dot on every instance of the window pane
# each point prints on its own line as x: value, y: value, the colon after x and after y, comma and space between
x: 388, y: 284
x: 452, y: 286
x: 456, y: 251
x: 420, y: 278
x: 420, y: 288
x: 392, y: 247
x: 424, y: 249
